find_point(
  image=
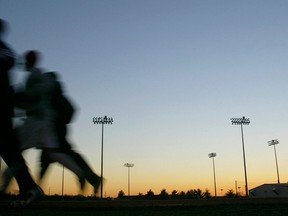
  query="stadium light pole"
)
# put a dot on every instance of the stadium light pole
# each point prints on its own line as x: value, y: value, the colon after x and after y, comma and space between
x: 274, y: 143
x: 63, y: 182
x: 242, y: 121
x: 129, y: 165
x: 102, y: 120
x: 213, y: 155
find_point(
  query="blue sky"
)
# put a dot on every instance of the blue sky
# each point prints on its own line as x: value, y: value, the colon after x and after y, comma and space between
x: 171, y: 74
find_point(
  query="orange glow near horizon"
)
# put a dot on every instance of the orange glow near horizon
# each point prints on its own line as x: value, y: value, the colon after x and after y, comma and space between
x: 175, y: 177
x: 52, y: 185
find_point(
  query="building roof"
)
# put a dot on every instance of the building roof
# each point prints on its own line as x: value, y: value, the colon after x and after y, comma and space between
x: 270, y: 184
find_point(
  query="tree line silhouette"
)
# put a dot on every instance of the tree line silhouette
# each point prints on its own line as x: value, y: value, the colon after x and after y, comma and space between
x: 190, y: 194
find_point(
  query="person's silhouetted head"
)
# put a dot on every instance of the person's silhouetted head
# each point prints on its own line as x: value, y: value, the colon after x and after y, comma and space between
x: 31, y: 58
x: 3, y: 26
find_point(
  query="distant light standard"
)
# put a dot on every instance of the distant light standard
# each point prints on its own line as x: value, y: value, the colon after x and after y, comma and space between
x: 63, y: 182
x: 241, y: 121
x: 213, y: 155
x: 102, y: 120
x: 129, y: 165
x: 274, y: 143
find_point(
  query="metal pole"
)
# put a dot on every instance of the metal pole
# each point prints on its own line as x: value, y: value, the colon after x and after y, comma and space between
x: 63, y: 182
x: 128, y: 165
x: 241, y: 121
x: 102, y: 120
x: 276, y: 164
x: 213, y: 155
x: 274, y: 142
x: 102, y: 146
x: 214, y: 178
x: 245, y: 170
x: 129, y: 181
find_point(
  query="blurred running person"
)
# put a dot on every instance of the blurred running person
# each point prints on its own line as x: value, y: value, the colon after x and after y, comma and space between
x: 44, y: 128
x: 9, y: 148
x: 64, y: 114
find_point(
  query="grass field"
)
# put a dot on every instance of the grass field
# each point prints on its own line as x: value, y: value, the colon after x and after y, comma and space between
x: 247, y: 207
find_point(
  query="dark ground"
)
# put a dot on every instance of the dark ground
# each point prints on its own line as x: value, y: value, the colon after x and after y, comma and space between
x: 241, y: 206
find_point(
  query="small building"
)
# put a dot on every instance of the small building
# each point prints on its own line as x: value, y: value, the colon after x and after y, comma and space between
x: 269, y: 191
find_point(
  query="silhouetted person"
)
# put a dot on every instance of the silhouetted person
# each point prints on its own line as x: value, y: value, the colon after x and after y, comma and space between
x: 38, y: 130
x: 45, y: 125
x: 64, y: 113
x: 9, y: 149
x: 39, y: 127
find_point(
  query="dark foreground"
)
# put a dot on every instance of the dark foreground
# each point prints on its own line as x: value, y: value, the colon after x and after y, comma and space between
x: 255, y: 207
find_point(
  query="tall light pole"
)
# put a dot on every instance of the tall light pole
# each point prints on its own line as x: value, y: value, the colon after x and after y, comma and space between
x: 63, y: 182
x: 242, y: 121
x: 102, y: 120
x: 274, y: 143
x: 129, y: 165
x: 213, y: 155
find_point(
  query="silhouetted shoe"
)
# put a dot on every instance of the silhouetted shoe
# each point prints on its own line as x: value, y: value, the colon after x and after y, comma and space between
x: 82, y: 182
x: 32, y: 195
x: 94, y: 180
x: 97, y: 184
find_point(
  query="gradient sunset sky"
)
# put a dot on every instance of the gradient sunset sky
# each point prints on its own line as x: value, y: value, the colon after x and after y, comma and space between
x: 171, y: 74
